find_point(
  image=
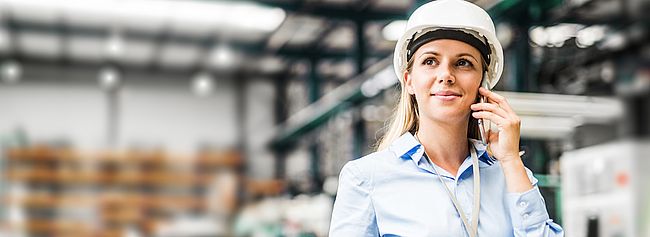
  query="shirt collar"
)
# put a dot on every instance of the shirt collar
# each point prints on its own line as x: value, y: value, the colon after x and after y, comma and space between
x: 407, y: 146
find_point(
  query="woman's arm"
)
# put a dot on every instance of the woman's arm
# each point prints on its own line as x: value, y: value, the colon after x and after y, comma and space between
x: 526, y: 204
x: 528, y: 213
x: 353, y: 213
x: 515, y: 173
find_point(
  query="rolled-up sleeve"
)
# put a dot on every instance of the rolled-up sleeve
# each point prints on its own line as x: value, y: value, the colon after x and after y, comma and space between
x: 353, y: 213
x: 528, y: 213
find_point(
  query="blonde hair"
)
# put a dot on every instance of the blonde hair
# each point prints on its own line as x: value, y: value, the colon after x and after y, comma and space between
x: 406, y: 117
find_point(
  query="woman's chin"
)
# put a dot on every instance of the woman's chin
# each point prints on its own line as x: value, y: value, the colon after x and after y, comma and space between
x: 451, y: 116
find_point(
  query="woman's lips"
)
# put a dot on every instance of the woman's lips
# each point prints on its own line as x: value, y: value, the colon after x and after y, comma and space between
x: 446, y: 95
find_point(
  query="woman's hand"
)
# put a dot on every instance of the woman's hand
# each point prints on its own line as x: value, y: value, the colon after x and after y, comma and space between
x: 504, y: 144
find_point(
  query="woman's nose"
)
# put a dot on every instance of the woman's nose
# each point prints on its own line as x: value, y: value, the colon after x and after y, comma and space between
x: 445, y: 75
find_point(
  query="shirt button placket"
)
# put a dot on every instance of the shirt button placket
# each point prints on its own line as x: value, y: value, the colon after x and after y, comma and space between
x: 523, y: 206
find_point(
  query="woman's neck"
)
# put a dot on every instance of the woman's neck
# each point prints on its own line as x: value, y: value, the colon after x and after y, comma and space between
x: 445, y: 144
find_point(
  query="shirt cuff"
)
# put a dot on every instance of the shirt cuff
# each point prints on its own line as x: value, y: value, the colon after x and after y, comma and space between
x: 527, y: 209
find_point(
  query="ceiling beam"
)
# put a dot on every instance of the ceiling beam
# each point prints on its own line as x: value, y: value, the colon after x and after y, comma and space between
x: 329, y: 11
x: 30, y: 61
x: 250, y: 48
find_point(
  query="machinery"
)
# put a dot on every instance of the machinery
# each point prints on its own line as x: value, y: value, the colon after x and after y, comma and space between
x: 605, y: 190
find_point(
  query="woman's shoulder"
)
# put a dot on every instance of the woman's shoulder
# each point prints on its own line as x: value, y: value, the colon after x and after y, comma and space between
x: 364, y: 167
x: 371, y: 159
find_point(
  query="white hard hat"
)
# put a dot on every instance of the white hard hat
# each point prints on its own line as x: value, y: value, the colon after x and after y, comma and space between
x: 451, y: 16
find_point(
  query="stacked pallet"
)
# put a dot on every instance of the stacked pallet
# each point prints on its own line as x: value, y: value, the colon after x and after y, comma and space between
x: 70, y: 193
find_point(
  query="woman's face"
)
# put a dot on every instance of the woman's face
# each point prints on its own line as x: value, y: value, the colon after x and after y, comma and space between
x: 445, y: 78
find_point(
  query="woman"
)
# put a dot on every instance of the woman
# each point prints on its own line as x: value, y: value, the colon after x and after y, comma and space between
x: 421, y: 181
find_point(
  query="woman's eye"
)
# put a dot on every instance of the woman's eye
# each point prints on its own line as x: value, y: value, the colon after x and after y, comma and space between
x: 464, y: 63
x: 428, y: 62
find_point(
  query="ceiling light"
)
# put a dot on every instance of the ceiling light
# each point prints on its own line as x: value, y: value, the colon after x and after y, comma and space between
x: 257, y: 17
x: 554, y: 36
x: 539, y: 36
x: 203, y: 84
x: 229, y: 14
x: 613, y: 42
x: 223, y: 57
x: 505, y: 34
x: 238, y: 15
x: 558, y: 34
x: 394, y: 30
x: 590, y: 35
x: 608, y: 71
x: 11, y: 72
x: 223, y: 54
x: 115, y: 45
x: 271, y: 64
x: 109, y: 78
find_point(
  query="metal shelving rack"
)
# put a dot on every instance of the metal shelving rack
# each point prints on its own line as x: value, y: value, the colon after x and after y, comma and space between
x: 123, y: 190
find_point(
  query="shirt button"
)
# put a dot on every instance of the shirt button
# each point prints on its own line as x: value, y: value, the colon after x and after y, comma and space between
x: 525, y: 216
x: 523, y: 204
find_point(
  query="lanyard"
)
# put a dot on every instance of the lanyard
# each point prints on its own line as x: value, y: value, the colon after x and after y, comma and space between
x: 472, y: 230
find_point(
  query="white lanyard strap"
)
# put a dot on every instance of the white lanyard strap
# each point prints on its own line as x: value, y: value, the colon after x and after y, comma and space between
x: 472, y: 229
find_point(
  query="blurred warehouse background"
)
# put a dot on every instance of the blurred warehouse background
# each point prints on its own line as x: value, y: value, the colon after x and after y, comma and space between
x: 234, y: 118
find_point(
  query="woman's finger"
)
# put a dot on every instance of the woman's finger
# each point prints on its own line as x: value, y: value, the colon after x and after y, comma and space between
x: 490, y: 116
x: 494, y: 108
x: 496, y: 98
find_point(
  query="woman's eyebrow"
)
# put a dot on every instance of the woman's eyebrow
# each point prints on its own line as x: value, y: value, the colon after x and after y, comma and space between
x: 429, y: 52
x: 466, y: 54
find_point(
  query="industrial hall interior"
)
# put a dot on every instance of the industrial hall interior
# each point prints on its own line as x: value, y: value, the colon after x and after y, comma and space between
x: 187, y: 118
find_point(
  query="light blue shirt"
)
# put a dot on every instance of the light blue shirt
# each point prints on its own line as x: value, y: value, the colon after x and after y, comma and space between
x: 395, y: 192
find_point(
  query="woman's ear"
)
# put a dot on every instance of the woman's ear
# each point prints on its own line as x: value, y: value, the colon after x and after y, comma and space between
x: 408, y: 84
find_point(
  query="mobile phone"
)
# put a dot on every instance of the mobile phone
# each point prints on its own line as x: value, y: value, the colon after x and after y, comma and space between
x: 483, y: 125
